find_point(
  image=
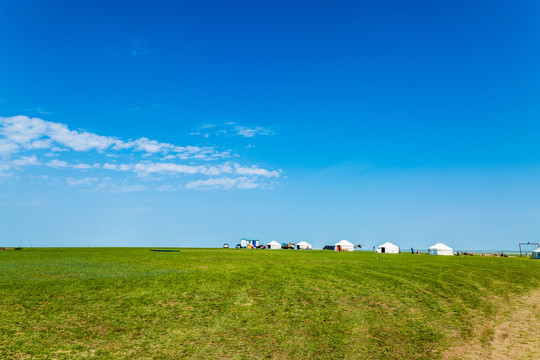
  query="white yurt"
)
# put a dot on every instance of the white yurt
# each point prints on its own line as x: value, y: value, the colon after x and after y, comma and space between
x: 344, y: 245
x: 536, y: 254
x: 302, y: 245
x: 440, y: 249
x: 273, y: 245
x: 388, y: 248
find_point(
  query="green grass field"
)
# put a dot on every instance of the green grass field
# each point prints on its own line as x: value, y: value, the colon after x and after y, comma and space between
x: 241, y: 304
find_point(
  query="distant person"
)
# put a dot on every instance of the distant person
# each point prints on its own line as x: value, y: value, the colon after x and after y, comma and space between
x: 417, y: 252
x: 412, y: 251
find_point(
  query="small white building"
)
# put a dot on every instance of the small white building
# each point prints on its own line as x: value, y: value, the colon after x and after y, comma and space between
x: 249, y: 243
x: 302, y: 245
x: 273, y: 245
x: 440, y: 249
x: 344, y: 245
x: 536, y: 254
x: 388, y: 248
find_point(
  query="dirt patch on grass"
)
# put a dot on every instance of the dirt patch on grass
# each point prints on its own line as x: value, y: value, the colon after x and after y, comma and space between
x: 512, y: 335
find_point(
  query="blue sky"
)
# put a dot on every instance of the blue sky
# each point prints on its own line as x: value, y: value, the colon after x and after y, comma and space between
x: 194, y: 123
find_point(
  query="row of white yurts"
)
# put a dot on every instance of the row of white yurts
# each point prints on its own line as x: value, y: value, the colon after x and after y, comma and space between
x: 302, y: 245
x: 437, y: 249
x: 386, y: 248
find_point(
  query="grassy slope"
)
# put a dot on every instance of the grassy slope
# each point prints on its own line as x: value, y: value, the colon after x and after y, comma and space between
x: 126, y: 303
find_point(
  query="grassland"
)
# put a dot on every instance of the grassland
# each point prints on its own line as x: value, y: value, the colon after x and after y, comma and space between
x: 240, y: 304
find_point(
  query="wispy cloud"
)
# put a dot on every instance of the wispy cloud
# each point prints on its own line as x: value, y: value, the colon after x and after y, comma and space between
x: 32, y: 142
x: 224, y: 183
x: 232, y: 129
x: 19, y: 133
x: 138, y: 48
x: 148, y: 167
x: 82, y: 181
x: 25, y: 161
x: 252, y: 132
x: 39, y: 110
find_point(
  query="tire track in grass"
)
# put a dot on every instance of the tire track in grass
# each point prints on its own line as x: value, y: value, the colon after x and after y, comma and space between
x: 513, y: 334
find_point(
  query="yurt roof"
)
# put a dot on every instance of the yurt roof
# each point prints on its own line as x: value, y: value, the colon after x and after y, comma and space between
x: 273, y: 242
x: 344, y: 243
x: 388, y: 244
x: 537, y: 250
x: 440, y: 246
x: 303, y: 243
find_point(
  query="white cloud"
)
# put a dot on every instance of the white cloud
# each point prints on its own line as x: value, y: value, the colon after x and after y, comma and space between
x: 85, y: 166
x: 22, y: 129
x: 231, y: 128
x: 35, y: 133
x: 23, y: 133
x: 216, y: 183
x: 79, y: 141
x: 151, y: 146
x: 40, y: 144
x: 25, y: 161
x: 224, y: 183
x: 108, y: 166
x: 121, y: 167
x: 24, y: 141
x: 251, y: 132
x: 148, y: 167
x: 7, y: 147
x: 172, y: 168
x: 81, y: 182
x: 253, y: 170
x: 57, y: 163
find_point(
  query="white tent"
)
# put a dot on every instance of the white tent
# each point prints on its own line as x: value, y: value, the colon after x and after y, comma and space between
x: 536, y: 254
x: 273, y: 245
x: 388, y: 248
x: 302, y: 245
x: 440, y: 249
x: 344, y: 245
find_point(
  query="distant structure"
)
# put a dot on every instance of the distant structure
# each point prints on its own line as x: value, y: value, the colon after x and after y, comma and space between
x: 273, y: 245
x: 249, y: 243
x: 302, y: 245
x: 342, y: 245
x: 388, y: 248
x: 527, y: 248
x: 440, y: 249
x: 536, y: 254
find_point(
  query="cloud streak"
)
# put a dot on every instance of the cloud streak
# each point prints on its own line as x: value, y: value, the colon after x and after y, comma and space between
x: 24, y: 133
x: 232, y: 129
x: 32, y: 143
x: 224, y: 183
